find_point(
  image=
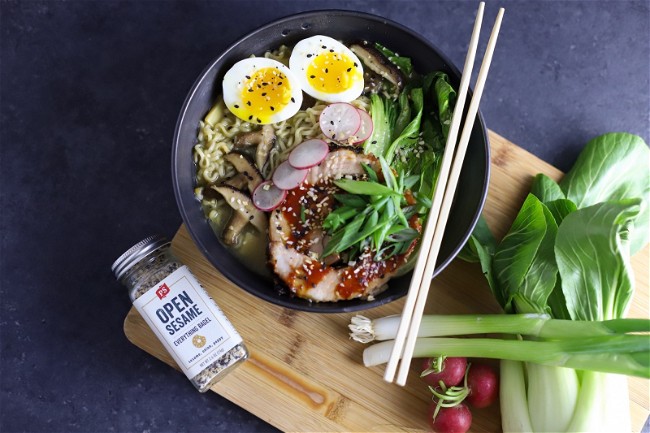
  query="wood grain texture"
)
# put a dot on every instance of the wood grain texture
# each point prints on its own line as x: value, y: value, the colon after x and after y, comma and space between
x: 304, y: 373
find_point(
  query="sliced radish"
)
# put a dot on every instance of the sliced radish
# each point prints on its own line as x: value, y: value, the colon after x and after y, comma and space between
x: 286, y: 177
x: 365, y: 130
x: 308, y: 153
x: 340, y: 121
x: 267, y: 196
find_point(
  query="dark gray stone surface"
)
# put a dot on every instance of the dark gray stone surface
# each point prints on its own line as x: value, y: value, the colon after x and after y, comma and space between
x: 89, y: 95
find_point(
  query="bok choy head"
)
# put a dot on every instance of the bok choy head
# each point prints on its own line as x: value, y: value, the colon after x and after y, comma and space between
x: 567, y: 254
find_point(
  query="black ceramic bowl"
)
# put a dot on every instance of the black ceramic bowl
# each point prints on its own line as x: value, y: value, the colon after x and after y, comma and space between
x: 346, y: 26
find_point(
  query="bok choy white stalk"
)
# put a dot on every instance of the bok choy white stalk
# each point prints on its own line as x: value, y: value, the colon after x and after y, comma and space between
x: 513, y: 380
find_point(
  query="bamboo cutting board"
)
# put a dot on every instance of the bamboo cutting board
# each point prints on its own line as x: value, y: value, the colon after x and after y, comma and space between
x: 304, y: 373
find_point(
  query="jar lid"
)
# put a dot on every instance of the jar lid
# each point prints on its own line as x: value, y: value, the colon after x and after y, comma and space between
x: 134, y: 254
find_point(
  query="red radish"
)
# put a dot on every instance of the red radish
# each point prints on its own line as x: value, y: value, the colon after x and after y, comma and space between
x: 340, y: 121
x: 365, y: 130
x: 483, y: 385
x: 308, y: 154
x: 267, y: 196
x: 286, y: 177
x: 455, y: 419
x: 451, y: 373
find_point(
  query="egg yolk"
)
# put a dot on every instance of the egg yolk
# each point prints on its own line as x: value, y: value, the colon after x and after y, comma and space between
x: 332, y: 72
x: 265, y: 92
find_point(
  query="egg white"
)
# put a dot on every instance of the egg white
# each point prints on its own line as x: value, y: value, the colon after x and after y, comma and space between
x: 239, y: 81
x: 305, y: 55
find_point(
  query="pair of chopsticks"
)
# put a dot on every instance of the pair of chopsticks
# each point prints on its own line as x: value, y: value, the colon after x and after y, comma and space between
x: 441, y: 203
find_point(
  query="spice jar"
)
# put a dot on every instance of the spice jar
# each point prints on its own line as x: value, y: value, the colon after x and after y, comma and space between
x: 186, y: 320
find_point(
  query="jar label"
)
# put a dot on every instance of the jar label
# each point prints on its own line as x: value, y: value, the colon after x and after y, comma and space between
x: 187, y: 321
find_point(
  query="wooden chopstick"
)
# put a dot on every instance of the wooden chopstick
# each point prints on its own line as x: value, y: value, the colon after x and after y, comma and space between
x: 447, y: 201
x: 448, y: 186
x: 427, y: 235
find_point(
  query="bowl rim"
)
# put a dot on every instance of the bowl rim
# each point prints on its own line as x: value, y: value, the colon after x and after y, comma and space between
x: 233, y: 276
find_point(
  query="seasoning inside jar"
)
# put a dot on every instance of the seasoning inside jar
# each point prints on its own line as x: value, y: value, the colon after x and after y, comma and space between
x: 186, y: 320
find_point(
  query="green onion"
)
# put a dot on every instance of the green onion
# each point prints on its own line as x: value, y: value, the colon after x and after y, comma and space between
x: 619, y: 354
x: 303, y: 217
x: 350, y: 200
x: 372, y: 216
x: 372, y: 174
x: 600, y: 346
x: 365, y: 330
x: 363, y: 188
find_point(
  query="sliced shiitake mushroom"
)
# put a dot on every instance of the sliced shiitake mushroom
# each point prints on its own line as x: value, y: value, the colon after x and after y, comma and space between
x: 264, y: 148
x: 244, y: 165
x: 239, y: 181
x: 234, y: 228
x: 252, y: 138
x: 243, y: 204
x: 379, y: 63
x: 232, y: 190
x: 264, y: 139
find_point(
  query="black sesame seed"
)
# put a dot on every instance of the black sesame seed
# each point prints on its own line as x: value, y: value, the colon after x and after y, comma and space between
x: 248, y: 77
x: 280, y: 83
x: 258, y: 120
x: 349, y: 69
x: 324, y: 47
x: 331, y: 51
x: 326, y: 71
x: 374, y: 141
x: 355, y: 65
x: 250, y: 90
x: 308, y: 55
x: 272, y: 108
x: 250, y: 117
x: 292, y: 99
x: 312, y: 76
x: 331, y: 122
x: 236, y: 106
x: 248, y: 103
x: 264, y: 94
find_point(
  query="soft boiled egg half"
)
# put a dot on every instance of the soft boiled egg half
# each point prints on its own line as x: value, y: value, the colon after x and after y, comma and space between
x: 260, y: 90
x: 326, y: 69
